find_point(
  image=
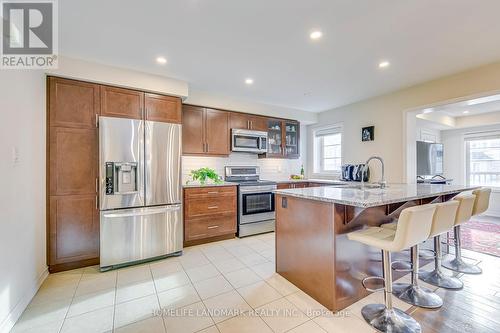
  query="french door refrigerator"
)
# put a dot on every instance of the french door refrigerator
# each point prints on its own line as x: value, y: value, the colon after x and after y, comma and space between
x: 140, y: 190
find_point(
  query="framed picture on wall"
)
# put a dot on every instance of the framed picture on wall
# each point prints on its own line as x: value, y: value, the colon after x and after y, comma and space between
x: 368, y: 133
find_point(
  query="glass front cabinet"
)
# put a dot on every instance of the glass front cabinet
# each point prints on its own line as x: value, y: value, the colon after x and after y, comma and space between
x: 283, y: 139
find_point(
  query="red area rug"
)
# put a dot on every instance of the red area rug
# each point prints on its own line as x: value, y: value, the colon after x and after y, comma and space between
x: 481, y: 237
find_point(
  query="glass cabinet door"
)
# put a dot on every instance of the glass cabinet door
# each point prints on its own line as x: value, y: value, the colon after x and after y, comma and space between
x: 292, y: 139
x: 274, y: 136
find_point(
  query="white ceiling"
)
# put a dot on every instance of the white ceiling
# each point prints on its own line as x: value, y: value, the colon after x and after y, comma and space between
x: 473, y: 107
x: 216, y: 44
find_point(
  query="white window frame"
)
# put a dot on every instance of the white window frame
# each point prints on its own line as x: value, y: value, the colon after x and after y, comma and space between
x: 318, y: 152
x: 476, y: 137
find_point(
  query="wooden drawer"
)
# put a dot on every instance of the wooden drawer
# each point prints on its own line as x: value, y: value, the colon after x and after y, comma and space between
x: 209, y: 206
x: 284, y: 186
x: 210, y: 227
x: 209, y: 192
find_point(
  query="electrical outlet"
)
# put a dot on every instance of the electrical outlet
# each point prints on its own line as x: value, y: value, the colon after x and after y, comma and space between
x: 15, y: 155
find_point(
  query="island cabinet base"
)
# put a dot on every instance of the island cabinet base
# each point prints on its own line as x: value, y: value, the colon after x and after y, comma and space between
x: 313, y: 252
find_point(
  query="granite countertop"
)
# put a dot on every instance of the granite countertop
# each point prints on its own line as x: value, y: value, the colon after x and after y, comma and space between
x: 307, y: 180
x: 208, y: 184
x: 353, y: 195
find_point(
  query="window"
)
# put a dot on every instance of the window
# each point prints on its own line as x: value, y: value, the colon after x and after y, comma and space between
x: 483, y: 161
x: 328, y: 150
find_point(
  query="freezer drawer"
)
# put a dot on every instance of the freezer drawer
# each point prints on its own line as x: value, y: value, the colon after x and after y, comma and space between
x: 130, y: 235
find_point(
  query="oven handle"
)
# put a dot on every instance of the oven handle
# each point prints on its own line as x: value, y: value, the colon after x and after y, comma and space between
x: 258, y: 189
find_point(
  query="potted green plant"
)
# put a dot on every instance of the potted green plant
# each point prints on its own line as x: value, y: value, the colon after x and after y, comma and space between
x: 203, y: 174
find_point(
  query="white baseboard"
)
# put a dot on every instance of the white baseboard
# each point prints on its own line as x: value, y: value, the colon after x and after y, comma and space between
x: 19, y: 308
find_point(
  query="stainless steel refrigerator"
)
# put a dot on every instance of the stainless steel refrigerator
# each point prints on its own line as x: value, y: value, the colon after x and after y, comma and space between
x: 140, y: 190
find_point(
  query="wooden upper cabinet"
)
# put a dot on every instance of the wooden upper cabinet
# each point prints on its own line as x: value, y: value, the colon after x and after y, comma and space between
x: 193, y: 130
x: 258, y: 123
x: 72, y: 161
x: 217, y: 132
x: 122, y: 103
x: 166, y: 109
x: 247, y: 121
x: 239, y: 120
x: 205, y: 131
x: 72, y: 103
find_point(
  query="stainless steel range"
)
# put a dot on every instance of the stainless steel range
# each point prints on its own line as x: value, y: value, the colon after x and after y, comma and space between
x: 255, y: 200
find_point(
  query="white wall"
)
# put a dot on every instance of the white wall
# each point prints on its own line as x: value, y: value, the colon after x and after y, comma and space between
x: 22, y: 198
x: 270, y: 168
x: 426, y: 132
x: 197, y: 97
x: 388, y: 114
x: 455, y: 160
x: 122, y: 77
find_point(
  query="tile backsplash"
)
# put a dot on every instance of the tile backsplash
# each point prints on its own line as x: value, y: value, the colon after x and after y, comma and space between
x: 270, y: 168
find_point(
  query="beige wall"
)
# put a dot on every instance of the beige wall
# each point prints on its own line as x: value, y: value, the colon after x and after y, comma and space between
x: 386, y: 113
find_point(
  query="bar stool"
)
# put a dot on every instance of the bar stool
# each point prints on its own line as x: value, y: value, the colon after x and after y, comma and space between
x: 414, y: 227
x: 468, y: 207
x: 443, y: 221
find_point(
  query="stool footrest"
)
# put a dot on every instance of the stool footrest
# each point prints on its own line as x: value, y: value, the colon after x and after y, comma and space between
x: 404, y: 263
x: 363, y: 282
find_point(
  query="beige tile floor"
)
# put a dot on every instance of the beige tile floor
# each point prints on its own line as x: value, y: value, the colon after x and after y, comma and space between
x: 193, y: 291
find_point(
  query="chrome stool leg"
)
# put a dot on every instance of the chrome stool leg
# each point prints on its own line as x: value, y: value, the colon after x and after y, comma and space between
x: 413, y: 293
x: 384, y: 317
x: 457, y: 264
x: 437, y: 277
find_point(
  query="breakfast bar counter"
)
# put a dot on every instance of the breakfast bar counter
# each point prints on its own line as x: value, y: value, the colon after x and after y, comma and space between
x: 312, y: 249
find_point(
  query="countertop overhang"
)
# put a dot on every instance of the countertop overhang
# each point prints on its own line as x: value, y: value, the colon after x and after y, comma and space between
x: 353, y: 195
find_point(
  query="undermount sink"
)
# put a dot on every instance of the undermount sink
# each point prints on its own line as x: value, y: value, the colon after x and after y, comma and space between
x: 367, y: 186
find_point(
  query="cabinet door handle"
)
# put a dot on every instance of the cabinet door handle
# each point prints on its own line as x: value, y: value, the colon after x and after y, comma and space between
x: 213, y: 227
x: 97, y: 185
x: 96, y: 202
x: 213, y: 207
x: 208, y: 147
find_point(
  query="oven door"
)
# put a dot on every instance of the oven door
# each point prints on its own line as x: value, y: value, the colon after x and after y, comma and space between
x: 256, y: 206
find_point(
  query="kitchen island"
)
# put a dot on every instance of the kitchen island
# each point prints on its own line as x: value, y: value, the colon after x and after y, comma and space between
x: 312, y: 249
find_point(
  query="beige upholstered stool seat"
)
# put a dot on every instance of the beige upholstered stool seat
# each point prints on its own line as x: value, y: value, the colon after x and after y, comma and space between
x: 413, y: 227
x: 469, y: 205
x: 444, y: 220
x: 380, y: 238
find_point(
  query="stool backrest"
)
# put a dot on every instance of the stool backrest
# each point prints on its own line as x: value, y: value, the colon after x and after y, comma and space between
x: 465, y: 206
x: 482, y: 200
x: 414, y: 226
x: 444, y: 217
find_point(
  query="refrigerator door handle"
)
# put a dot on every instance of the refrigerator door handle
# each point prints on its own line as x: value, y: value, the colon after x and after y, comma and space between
x: 151, y: 211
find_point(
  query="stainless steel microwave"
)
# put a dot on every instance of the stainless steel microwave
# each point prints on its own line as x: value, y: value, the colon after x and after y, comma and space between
x: 248, y: 141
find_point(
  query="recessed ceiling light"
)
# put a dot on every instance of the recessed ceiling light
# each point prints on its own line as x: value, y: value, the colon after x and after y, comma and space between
x: 249, y: 81
x: 466, y: 112
x: 161, y: 60
x: 384, y: 64
x: 428, y: 110
x: 316, y: 34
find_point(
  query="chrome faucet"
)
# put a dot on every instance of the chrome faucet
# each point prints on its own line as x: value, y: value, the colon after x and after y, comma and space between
x: 382, y: 182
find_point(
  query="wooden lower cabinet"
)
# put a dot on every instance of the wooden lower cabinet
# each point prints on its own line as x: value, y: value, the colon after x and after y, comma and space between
x: 74, y: 229
x: 210, y: 214
x: 284, y: 186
